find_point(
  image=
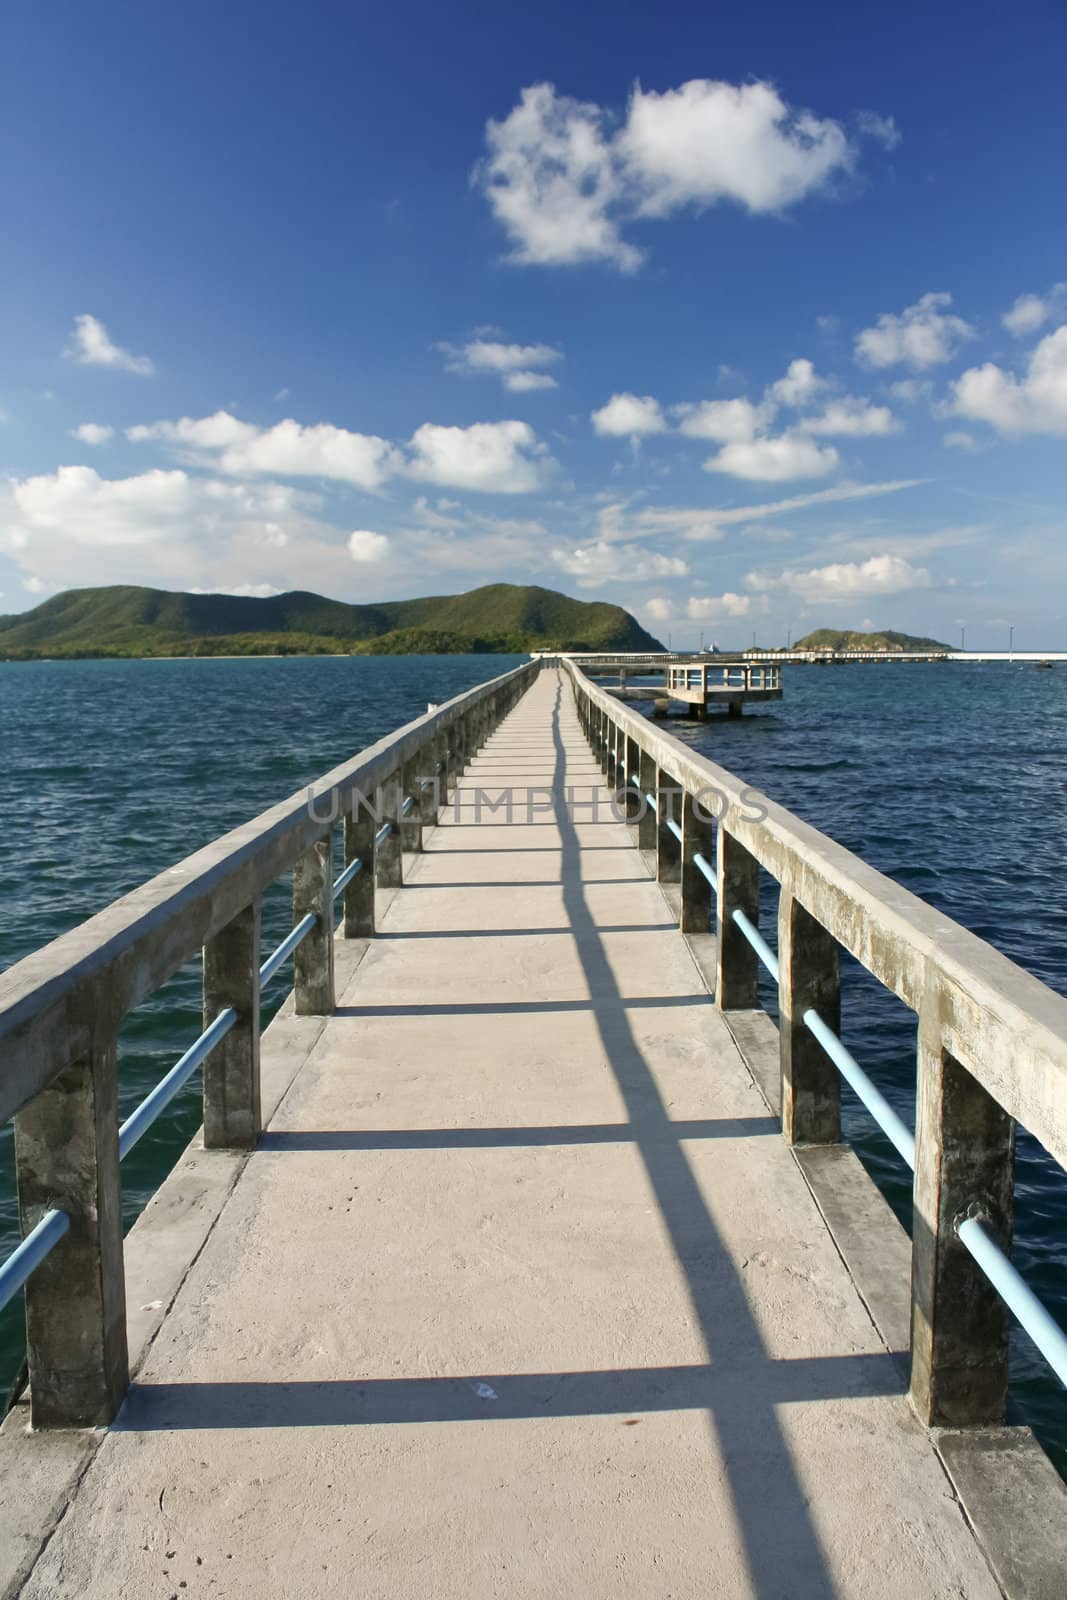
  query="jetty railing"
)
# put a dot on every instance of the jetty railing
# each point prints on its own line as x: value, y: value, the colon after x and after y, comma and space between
x: 991, y: 1039
x: 61, y: 1008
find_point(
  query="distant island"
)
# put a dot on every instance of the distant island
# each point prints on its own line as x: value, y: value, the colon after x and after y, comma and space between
x: 849, y: 639
x: 501, y: 618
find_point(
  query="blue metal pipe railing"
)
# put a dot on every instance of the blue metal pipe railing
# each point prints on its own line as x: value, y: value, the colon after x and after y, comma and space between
x: 675, y: 829
x: 653, y: 802
x: 139, y: 1121
x: 407, y: 807
x: 703, y: 865
x: 896, y: 1131
x: 977, y: 1239
x: 347, y: 875
x: 27, y: 1256
x: 279, y: 957
x: 383, y: 832
x: 758, y: 943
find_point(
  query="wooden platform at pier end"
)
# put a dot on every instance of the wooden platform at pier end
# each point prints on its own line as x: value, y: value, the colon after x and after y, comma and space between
x: 522, y: 1293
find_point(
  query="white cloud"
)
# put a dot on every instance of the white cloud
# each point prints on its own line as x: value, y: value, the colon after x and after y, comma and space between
x: 882, y: 129
x: 799, y: 386
x: 563, y: 178
x: 490, y: 457
x: 1036, y: 403
x: 707, y: 522
x: 725, y: 421
x: 960, y: 441
x: 911, y: 390
x: 844, y: 580
x: 494, y: 457
x: 287, y: 448
x: 660, y: 609
x: 593, y: 564
x: 1032, y: 311
x: 92, y: 433
x: 517, y: 365
x: 524, y: 382
x: 774, y: 460
x: 487, y: 355
x: 923, y: 335
x: 366, y: 546
x: 551, y: 178
x: 714, y: 607
x: 851, y: 417
x: 92, y: 346
x: 629, y: 416
x: 217, y: 432
x: 710, y: 141
x: 247, y: 591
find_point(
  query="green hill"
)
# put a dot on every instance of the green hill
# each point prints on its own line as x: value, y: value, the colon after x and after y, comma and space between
x: 849, y: 639
x: 501, y: 617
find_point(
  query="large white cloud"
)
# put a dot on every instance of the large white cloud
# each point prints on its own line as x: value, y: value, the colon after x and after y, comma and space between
x: 491, y: 457
x: 92, y: 346
x: 921, y: 336
x: 629, y: 416
x: 774, y: 460
x: 563, y: 176
x: 844, y: 580
x: 851, y: 417
x: 593, y: 564
x: 72, y: 526
x: 1035, y: 403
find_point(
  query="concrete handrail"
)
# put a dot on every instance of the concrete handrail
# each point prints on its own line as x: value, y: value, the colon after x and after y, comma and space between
x: 61, y: 1008
x: 991, y: 1040
x: 1008, y: 1028
x: 56, y: 999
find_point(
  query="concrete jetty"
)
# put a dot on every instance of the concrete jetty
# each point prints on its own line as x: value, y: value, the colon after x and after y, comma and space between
x: 520, y: 1291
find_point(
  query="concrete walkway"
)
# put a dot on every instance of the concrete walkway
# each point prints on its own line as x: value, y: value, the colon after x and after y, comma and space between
x: 523, y: 1294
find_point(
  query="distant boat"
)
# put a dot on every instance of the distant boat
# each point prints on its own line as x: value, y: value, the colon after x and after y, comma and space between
x: 1042, y: 666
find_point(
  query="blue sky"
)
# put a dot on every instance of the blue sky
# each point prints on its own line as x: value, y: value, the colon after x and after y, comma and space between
x: 751, y: 323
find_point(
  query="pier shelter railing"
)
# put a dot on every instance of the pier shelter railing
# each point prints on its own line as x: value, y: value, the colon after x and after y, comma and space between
x: 61, y: 1008
x: 991, y: 1039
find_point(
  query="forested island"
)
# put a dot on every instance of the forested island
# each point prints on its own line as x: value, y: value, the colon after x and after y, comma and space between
x: 500, y: 618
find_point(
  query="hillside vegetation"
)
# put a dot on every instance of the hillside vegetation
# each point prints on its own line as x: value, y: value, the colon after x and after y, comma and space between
x: 128, y: 621
x: 850, y: 639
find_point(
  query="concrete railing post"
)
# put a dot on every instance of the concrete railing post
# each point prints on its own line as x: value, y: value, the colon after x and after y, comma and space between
x: 808, y: 979
x: 737, y: 968
x: 668, y: 850
x: 964, y: 1166
x: 647, y: 821
x: 411, y: 825
x: 232, y: 1116
x: 389, y: 855
x: 697, y: 896
x: 426, y: 788
x: 67, y: 1158
x: 633, y: 769
x: 360, y: 828
x: 313, y: 992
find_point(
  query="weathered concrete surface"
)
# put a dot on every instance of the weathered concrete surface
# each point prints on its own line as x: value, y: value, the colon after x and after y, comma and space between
x: 523, y: 1294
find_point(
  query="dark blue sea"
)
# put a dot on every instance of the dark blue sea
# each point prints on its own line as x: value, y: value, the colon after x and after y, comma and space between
x: 951, y: 778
